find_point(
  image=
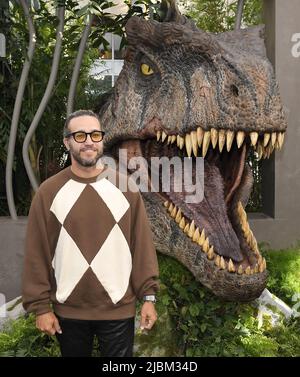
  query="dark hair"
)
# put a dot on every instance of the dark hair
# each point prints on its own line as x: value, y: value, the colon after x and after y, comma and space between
x: 77, y: 114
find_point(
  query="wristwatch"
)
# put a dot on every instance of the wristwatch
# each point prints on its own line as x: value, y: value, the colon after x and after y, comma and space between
x: 151, y: 298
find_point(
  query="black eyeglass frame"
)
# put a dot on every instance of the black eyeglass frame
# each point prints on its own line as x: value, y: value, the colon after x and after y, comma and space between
x: 86, y: 135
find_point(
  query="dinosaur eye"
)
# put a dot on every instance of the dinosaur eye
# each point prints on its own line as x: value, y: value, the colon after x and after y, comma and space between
x: 146, y: 69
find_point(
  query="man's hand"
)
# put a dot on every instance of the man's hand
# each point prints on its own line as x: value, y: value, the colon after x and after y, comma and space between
x: 148, y: 315
x: 48, y: 323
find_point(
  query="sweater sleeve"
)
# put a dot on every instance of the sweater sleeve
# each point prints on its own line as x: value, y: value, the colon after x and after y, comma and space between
x: 37, y: 261
x: 145, y: 265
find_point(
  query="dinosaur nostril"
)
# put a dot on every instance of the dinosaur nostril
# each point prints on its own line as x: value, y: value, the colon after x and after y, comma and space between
x: 234, y: 90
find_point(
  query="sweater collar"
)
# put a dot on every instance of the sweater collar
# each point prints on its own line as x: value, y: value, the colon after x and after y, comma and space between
x: 95, y: 178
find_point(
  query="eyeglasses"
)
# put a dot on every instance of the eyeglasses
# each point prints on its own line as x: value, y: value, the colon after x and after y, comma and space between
x: 81, y: 136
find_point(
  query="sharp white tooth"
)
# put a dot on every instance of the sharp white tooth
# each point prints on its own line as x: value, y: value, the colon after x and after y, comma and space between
x: 222, y: 139
x: 222, y: 263
x: 192, y: 229
x: 202, y: 238
x: 163, y: 137
x: 188, y: 144
x: 200, y: 134
x: 280, y: 139
x: 180, y: 141
x: 248, y: 270
x: 253, y: 137
x: 205, y: 246
x: 173, y: 139
x: 169, y: 139
x: 210, y: 254
x: 178, y: 216
x: 217, y: 260
x: 240, y: 136
x: 229, y: 139
x: 182, y: 223
x: 166, y: 204
x: 174, y: 212
x: 273, y: 139
x: 240, y: 269
x: 171, y: 207
x: 266, y: 139
x: 194, y: 142
x: 196, y: 235
x: 186, y: 228
x: 158, y: 135
x: 206, y: 142
x: 214, y: 137
x: 231, y: 267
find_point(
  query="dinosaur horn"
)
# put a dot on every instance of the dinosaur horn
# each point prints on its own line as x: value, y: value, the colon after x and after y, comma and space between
x: 169, y: 12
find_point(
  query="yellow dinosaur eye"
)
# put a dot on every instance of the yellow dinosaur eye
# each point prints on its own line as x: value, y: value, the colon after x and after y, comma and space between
x: 146, y: 69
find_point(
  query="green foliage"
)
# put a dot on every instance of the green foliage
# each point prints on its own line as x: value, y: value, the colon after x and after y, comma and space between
x: 212, y: 327
x: 192, y: 321
x: 219, y: 15
x: 21, y: 338
x: 284, y: 268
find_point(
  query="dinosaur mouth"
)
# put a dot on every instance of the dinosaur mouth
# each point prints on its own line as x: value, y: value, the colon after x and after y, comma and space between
x: 218, y: 224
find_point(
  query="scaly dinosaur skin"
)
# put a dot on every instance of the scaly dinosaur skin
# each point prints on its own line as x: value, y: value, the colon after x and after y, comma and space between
x: 184, y: 92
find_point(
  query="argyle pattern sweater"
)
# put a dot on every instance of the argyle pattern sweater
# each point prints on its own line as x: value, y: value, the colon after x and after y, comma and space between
x: 89, y: 252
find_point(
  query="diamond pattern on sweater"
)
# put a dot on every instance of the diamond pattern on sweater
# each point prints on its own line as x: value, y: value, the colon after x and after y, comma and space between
x: 88, y: 229
x: 90, y: 241
x: 114, y: 252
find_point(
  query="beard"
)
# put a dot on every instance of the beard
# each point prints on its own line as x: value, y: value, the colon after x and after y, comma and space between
x: 86, y: 162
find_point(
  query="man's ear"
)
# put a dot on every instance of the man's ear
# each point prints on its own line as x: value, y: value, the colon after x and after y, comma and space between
x: 66, y: 142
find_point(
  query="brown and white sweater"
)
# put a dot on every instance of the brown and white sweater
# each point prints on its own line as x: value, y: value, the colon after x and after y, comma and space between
x: 89, y: 251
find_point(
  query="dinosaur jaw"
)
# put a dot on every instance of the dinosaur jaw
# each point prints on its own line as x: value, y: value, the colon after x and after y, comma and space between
x: 215, y: 230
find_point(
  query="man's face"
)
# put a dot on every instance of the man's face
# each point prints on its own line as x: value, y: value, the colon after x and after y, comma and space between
x: 87, y: 153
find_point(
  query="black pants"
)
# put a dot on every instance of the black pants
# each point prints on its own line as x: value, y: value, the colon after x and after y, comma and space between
x: 115, y: 337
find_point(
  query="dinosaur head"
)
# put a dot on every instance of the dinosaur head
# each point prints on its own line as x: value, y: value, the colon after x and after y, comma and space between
x: 184, y: 92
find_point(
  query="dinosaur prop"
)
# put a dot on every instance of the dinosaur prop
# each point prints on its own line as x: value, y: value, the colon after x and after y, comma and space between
x: 184, y: 92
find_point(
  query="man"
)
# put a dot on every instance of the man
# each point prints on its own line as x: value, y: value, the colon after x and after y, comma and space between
x: 89, y: 253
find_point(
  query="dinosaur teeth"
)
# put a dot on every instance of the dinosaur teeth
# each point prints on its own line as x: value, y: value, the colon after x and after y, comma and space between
x: 273, y: 139
x: 240, y: 136
x: 229, y: 139
x: 200, y: 135
x: 210, y: 254
x: 248, y: 234
x: 188, y: 145
x: 231, y: 267
x: 199, y: 237
x: 222, y: 139
x: 240, y: 269
x: 253, y: 137
x: 194, y: 142
x: 266, y: 139
x: 214, y: 137
x: 222, y: 263
x: 205, y: 246
x: 164, y: 135
x: 178, y: 216
x: 206, y: 142
x: 158, y: 135
x: 196, y: 235
x: 182, y: 223
x: 217, y: 260
x: 180, y: 141
x: 191, y: 229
